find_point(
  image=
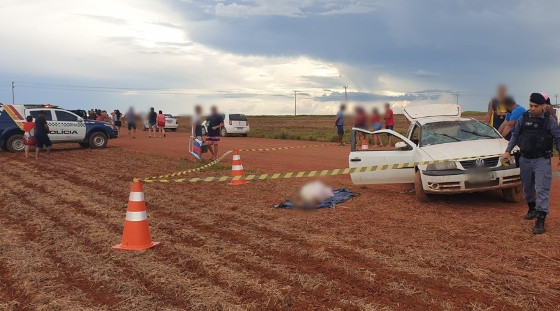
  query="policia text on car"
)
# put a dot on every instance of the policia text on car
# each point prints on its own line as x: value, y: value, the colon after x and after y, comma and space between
x: 535, y: 133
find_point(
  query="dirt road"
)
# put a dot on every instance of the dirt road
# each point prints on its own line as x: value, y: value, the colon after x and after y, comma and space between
x: 226, y: 248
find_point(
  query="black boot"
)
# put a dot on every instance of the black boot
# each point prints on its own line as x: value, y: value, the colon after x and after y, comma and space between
x: 539, y: 225
x: 532, y: 213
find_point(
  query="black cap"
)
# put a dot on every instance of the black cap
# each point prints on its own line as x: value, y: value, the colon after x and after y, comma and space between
x: 537, y: 98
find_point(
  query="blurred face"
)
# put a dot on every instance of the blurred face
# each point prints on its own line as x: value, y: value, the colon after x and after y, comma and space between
x: 536, y: 110
x: 387, y: 106
x: 198, y: 110
x: 502, y: 91
x: 214, y: 110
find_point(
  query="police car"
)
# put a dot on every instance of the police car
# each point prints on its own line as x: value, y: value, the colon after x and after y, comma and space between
x: 65, y: 127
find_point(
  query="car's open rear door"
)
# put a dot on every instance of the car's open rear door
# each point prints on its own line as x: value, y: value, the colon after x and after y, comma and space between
x: 382, y: 156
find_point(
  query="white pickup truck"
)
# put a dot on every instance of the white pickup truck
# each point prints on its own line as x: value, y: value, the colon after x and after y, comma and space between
x: 437, y: 132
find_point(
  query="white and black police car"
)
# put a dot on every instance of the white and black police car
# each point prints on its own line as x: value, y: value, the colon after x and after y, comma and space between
x: 65, y: 127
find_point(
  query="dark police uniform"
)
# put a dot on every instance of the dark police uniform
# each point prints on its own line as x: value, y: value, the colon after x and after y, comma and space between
x: 535, y: 137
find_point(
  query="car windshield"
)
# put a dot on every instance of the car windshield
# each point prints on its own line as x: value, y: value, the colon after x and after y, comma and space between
x: 452, y: 131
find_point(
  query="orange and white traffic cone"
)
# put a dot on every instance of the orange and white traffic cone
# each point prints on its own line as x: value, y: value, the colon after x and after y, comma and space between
x: 136, y: 233
x: 365, y: 145
x: 237, y: 169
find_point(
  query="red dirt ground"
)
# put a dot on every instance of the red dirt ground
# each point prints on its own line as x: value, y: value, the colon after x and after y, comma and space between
x: 225, y: 247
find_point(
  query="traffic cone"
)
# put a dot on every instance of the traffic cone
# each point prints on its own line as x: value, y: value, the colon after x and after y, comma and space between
x: 365, y: 145
x: 236, y: 169
x: 136, y: 233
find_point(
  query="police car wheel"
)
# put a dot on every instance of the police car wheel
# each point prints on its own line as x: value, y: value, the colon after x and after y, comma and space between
x: 15, y: 143
x: 98, y: 140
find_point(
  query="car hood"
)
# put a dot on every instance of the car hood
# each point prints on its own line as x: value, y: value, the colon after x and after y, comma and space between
x: 461, y: 149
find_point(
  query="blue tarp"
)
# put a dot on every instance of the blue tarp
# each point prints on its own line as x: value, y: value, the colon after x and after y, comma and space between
x: 340, y: 195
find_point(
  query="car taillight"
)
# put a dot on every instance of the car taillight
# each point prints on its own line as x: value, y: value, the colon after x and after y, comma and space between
x: 230, y: 122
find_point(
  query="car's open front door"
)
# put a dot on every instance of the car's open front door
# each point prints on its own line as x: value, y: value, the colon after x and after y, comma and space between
x: 402, y: 153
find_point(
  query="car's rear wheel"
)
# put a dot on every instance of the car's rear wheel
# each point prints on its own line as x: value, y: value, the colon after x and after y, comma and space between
x: 223, y: 132
x: 98, y: 140
x: 15, y: 143
x: 421, y: 195
x: 513, y: 195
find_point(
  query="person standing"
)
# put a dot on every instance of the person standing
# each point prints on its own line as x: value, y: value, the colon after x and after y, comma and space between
x: 152, y: 121
x: 161, y: 123
x: 549, y: 107
x: 117, y: 121
x: 535, y: 133
x: 131, y: 122
x: 496, y: 109
x: 389, y: 121
x: 376, y: 126
x: 514, y: 112
x: 42, y: 134
x: 215, y: 123
x: 339, y: 123
x: 29, y: 135
x: 196, y: 129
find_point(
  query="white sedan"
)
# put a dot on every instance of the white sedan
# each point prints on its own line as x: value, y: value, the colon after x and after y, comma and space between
x: 437, y: 132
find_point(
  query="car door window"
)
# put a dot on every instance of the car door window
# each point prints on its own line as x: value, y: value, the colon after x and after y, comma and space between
x: 35, y: 114
x: 379, y: 142
x: 65, y: 116
x: 415, y: 135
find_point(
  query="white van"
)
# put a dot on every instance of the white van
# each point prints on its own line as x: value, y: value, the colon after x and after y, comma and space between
x: 234, y: 123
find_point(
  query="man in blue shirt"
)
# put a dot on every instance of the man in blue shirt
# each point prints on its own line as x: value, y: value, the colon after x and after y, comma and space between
x: 215, y: 123
x: 340, y: 124
x: 514, y: 112
x: 535, y: 133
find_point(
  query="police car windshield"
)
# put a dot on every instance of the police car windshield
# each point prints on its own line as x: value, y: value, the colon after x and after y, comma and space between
x: 453, y: 131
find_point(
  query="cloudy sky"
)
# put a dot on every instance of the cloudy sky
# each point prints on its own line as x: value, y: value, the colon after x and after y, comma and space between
x: 250, y: 55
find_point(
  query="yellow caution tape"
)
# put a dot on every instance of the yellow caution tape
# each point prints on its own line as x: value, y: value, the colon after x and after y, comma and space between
x: 283, y: 148
x: 306, y: 174
x: 194, y: 169
x: 225, y: 155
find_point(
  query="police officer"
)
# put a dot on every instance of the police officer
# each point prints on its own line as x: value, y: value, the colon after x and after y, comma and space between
x: 535, y: 133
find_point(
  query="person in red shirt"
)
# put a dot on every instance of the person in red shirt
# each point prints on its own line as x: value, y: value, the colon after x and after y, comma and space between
x: 29, y: 135
x: 389, y: 121
x: 161, y: 123
x: 360, y: 121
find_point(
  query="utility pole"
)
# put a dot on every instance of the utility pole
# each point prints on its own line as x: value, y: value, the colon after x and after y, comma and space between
x: 556, y: 96
x: 13, y: 97
x: 295, y: 103
x: 346, y: 93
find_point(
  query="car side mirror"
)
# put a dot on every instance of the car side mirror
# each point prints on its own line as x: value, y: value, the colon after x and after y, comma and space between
x: 80, y: 119
x: 401, y: 145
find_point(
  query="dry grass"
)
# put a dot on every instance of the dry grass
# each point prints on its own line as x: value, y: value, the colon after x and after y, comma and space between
x: 227, y: 249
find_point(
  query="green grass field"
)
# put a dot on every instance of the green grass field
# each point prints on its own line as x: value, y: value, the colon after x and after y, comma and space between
x: 318, y: 128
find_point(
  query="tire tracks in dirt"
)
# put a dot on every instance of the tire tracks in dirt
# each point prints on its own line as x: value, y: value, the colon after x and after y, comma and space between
x: 311, y: 269
x: 95, y: 215
x: 71, y: 227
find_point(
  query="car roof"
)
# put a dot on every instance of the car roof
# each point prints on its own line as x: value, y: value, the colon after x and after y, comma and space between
x: 424, y: 121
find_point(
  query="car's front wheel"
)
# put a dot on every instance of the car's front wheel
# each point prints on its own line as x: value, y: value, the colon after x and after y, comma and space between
x: 98, y: 140
x: 15, y: 143
x: 513, y: 195
x: 421, y: 195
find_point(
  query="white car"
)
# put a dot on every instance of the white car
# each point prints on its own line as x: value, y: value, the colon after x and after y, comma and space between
x: 234, y: 123
x: 437, y: 132
x: 170, y: 123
